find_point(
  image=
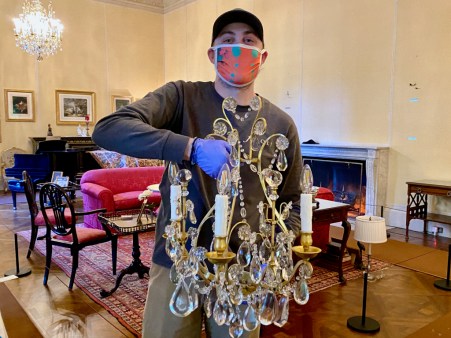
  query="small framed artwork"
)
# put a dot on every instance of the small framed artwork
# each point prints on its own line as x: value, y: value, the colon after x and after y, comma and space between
x: 62, y: 181
x: 74, y: 107
x: 55, y: 175
x: 120, y: 101
x: 19, y: 105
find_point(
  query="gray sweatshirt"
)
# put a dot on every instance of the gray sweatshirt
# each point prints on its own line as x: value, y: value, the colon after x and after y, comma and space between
x: 159, y: 127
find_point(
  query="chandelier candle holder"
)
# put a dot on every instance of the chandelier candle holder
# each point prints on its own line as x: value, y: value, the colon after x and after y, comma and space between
x: 37, y: 31
x: 253, y: 285
x: 308, y: 203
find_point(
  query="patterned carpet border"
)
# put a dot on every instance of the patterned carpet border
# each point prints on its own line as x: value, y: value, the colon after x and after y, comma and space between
x: 127, y: 303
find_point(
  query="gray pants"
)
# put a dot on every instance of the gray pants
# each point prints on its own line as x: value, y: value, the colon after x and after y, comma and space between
x: 159, y: 322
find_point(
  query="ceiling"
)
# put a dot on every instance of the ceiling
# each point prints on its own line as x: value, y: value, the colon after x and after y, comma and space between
x: 157, y: 6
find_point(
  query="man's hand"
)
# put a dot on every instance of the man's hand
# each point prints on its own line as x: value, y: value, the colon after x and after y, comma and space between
x: 210, y: 155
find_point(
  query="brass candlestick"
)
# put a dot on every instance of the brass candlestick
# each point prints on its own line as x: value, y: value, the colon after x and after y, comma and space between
x: 220, y: 255
x: 306, y: 251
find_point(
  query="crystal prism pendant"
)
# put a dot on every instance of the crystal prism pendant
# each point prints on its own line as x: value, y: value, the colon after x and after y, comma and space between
x: 283, y: 311
x: 193, y: 296
x: 301, y: 292
x: 250, y: 321
x: 180, y: 303
x: 234, y: 157
x: 210, y: 302
x: 255, y: 143
x: 265, y: 250
x: 220, y: 313
x: 282, y: 163
x: 256, y: 270
x: 173, y: 275
x: 244, y: 254
x: 236, y: 328
x: 268, y: 308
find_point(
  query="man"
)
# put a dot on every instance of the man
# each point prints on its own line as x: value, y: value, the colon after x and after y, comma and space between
x: 172, y: 122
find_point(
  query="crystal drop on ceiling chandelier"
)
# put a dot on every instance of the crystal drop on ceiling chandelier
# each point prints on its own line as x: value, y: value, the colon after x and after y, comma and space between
x: 37, y: 31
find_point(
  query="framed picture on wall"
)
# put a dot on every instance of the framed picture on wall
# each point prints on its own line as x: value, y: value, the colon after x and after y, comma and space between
x: 19, y: 105
x: 74, y: 107
x: 120, y: 101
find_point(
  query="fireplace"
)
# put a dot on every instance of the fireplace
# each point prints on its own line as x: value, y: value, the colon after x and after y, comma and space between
x: 356, y: 174
x: 345, y: 178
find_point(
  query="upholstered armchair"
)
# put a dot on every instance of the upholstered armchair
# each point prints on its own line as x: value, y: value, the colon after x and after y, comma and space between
x: 36, y: 165
x: 117, y: 189
x: 7, y: 161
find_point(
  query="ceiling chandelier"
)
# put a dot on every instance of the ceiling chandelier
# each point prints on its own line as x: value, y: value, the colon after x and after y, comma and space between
x: 253, y: 285
x: 37, y: 31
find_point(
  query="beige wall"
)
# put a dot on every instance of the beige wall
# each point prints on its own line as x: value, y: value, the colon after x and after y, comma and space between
x: 340, y: 68
x: 107, y: 49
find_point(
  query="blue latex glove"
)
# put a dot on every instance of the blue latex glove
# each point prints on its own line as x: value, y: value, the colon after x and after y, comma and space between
x: 210, y: 155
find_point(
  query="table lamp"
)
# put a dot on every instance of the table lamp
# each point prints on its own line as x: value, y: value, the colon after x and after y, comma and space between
x: 368, y: 229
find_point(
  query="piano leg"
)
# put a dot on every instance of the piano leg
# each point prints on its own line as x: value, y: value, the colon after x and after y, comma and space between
x: 13, y: 194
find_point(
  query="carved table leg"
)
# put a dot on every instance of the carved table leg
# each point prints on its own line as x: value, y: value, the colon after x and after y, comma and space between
x: 136, y: 266
x: 347, y: 230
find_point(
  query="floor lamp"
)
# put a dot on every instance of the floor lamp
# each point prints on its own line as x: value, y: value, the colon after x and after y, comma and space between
x: 371, y: 230
x: 445, y: 284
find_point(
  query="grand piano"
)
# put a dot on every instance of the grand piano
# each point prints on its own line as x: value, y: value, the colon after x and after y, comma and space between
x: 68, y: 155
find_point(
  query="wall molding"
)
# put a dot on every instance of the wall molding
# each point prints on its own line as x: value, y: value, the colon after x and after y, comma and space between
x: 155, y: 6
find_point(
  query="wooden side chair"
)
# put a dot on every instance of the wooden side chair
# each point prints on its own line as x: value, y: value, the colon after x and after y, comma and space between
x: 36, y: 218
x: 64, y: 232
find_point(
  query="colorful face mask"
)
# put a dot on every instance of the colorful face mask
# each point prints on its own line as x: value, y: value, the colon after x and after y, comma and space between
x: 237, y: 65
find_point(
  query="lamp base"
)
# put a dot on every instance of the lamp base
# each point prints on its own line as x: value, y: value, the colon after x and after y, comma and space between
x: 22, y: 272
x: 370, y: 325
x: 443, y: 284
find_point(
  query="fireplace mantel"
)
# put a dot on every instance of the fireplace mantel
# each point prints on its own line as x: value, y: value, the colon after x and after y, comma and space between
x: 376, y: 166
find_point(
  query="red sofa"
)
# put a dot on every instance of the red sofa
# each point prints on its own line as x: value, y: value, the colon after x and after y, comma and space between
x: 117, y: 189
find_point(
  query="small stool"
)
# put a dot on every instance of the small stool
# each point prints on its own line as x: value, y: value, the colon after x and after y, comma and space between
x: 15, y: 186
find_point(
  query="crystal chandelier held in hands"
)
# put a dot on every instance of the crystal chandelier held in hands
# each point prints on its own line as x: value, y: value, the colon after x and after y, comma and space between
x: 254, y: 285
x: 37, y: 31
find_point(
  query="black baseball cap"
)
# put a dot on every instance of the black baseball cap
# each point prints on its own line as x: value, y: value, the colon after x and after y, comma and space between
x: 237, y: 15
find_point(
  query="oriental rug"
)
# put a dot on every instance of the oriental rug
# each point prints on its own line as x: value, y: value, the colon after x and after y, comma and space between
x: 127, y: 303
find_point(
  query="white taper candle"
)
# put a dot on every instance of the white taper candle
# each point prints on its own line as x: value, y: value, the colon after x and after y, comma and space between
x: 176, y: 193
x: 306, y: 212
x: 221, y: 208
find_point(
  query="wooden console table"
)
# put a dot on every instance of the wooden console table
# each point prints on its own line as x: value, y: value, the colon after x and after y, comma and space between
x: 331, y: 212
x: 417, y: 201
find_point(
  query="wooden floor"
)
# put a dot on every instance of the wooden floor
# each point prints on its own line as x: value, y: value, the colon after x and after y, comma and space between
x: 403, y: 301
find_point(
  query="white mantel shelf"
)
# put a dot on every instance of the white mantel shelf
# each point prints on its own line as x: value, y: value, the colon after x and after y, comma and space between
x: 342, y: 151
x: 376, y: 166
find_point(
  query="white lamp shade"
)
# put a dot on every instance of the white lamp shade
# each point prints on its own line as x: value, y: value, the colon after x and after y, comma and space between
x: 370, y: 229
